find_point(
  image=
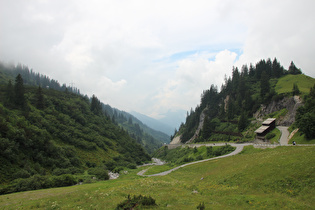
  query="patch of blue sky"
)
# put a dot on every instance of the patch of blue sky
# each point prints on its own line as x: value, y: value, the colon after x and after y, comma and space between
x: 206, y: 52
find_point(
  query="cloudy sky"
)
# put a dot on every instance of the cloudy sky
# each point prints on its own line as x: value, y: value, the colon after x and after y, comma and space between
x: 153, y: 56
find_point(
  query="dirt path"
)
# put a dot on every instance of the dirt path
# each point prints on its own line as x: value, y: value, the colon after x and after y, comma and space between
x: 239, y: 148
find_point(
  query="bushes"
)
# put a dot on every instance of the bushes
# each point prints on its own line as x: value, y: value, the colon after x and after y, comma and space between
x: 136, y: 201
x: 38, y: 182
x: 185, y: 155
x: 99, y: 172
x: 270, y: 136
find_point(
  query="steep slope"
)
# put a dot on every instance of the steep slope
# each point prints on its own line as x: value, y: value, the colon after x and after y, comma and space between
x: 261, y: 90
x: 54, y: 132
x: 148, y: 137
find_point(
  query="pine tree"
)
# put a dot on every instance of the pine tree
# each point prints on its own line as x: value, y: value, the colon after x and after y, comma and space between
x: 40, y: 98
x: 10, y: 94
x: 242, y: 123
x: 295, y: 90
x: 19, y: 92
x: 230, y: 109
x: 264, y: 84
x: 206, y: 130
x: 96, y: 106
x: 293, y: 69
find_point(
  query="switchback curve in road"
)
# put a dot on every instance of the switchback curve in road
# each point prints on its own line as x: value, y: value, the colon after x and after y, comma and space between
x: 239, y: 148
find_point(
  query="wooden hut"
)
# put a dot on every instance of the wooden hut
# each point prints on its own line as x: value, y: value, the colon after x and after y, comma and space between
x: 267, y: 126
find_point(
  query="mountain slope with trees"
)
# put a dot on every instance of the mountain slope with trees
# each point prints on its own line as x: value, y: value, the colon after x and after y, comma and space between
x: 149, y: 138
x: 225, y: 115
x: 49, y: 133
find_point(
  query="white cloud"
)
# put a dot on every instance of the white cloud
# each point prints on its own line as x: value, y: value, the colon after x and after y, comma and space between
x: 152, y: 56
x: 194, y: 75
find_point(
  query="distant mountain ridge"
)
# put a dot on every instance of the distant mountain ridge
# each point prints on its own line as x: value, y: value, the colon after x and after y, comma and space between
x: 153, y: 123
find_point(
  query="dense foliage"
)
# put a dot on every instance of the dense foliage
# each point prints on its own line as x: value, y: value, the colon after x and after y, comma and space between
x: 136, y: 202
x: 45, y: 132
x: 305, y: 117
x: 240, y: 96
x: 180, y: 155
x: 150, y: 139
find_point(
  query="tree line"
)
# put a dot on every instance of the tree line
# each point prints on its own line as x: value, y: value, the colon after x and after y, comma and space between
x: 240, y: 96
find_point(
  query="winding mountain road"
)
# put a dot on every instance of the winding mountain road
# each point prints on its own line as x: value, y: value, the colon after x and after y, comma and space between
x: 239, y: 147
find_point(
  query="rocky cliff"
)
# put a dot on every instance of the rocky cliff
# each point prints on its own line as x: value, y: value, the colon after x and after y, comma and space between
x: 291, y: 104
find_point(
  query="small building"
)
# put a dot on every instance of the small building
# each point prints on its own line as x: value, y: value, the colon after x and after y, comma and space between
x: 271, y: 122
x: 267, y: 126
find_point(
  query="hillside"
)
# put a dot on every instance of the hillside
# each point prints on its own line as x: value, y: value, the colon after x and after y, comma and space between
x: 48, y: 132
x: 253, y: 93
x: 285, y: 83
x: 149, y: 138
x: 252, y: 179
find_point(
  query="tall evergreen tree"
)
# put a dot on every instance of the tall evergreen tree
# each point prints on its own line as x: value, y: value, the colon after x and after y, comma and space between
x: 277, y: 69
x: 295, y: 90
x: 19, y: 91
x: 264, y: 84
x: 230, y: 109
x: 206, y: 130
x: 242, y: 123
x: 96, y: 106
x: 293, y: 69
x: 10, y: 93
x: 40, y: 98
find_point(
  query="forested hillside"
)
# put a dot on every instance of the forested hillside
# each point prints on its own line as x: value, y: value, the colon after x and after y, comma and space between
x: 226, y: 114
x: 45, y: 132
x: 149, y: 138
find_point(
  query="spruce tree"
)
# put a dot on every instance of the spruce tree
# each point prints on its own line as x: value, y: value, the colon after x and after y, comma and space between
x: 10, y: 94
x: 293, y: 69
x: 96, y: 106
x: 40, y: 98
x: 264, y: 84
x: 19, y: 92
x: 242, y: 123
x: 295, y: 90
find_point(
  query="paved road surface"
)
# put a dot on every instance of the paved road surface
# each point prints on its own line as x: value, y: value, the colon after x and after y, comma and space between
x: 284, y: 135
x: 239, y: 148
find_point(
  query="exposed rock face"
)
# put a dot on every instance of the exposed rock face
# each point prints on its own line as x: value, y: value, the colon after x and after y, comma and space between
x: 200, y: 126
x: 290, y: 103
x: 176, y: 140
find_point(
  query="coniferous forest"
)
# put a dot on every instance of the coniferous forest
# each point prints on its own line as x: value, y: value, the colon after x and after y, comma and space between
x: 227, y: 112
x: 50, y: 136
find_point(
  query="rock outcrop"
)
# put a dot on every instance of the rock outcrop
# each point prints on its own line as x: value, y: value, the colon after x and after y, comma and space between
x: 289, y: 103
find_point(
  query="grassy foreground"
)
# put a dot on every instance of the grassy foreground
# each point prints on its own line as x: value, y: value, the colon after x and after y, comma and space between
x: 278, y: 178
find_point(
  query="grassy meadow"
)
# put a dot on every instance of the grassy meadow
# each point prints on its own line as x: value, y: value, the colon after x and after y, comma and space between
x: 283, y: 177
x: 285, y: 84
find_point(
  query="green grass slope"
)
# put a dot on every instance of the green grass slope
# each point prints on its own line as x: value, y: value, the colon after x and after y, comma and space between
x: 278, y: 178
x: 285, y: 84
